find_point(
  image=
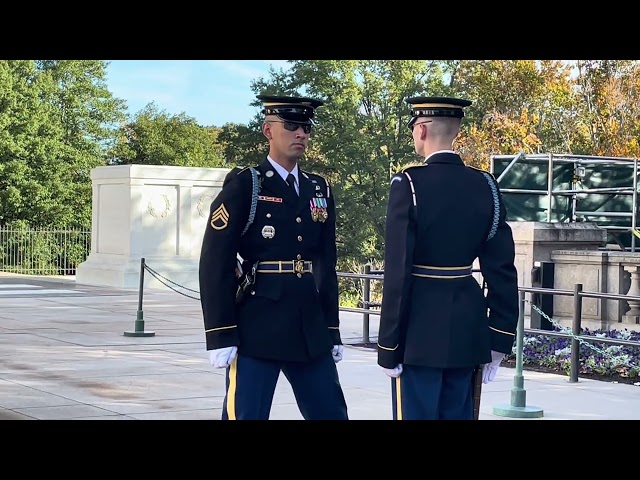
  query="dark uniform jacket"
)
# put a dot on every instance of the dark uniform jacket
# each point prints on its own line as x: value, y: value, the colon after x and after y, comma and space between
x: 283, y: 316
x: 439, y: 216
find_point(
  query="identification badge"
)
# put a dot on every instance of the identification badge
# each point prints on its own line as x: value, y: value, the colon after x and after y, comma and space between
x: 269, y: 199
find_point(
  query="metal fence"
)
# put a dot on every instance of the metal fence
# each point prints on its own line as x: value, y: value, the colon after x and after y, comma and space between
x: 39, y: 251
x: 573, y: 333
x: 58, y: 252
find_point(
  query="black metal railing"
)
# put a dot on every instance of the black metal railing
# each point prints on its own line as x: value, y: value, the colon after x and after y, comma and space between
x: 372, y: 308
x: 574, y: 333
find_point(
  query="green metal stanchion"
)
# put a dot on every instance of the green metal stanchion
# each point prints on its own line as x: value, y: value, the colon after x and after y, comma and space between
x: 139, y: 330
x: 518, y: 407
x: 366, y: 297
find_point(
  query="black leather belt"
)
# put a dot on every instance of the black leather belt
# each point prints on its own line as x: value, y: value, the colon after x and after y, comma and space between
x: 429, y: 271
x: 285, y: 266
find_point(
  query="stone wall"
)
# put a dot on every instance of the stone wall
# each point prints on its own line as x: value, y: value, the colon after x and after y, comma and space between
x: 150, y: 211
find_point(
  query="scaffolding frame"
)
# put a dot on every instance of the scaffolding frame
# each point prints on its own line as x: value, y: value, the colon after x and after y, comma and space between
x: 578, y: 161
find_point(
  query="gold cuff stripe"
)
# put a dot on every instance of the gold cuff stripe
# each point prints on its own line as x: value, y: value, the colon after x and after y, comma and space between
x: 500, y: 331
x: 387, y: 348
x: 220, y: 328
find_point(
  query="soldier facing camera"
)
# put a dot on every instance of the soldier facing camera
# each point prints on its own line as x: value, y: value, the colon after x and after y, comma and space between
x: 284, y: 317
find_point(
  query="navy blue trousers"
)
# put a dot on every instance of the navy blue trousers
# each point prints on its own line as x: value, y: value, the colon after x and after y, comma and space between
x: 251, y: 383
x: 425, y: 393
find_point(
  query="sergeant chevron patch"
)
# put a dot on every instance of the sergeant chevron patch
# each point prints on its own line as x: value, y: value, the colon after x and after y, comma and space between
x: 220, y: 218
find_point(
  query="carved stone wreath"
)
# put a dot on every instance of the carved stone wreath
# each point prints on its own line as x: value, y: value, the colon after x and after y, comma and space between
x: 167, y: 208
x: 203, y: 204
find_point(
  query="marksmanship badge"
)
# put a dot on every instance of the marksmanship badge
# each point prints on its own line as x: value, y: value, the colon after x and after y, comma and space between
x: 268, y: 231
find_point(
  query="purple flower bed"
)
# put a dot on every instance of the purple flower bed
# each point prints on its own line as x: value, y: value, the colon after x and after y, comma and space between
x: 595, y: 357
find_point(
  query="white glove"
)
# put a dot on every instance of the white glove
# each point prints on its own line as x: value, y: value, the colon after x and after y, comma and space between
x: 393, y: 372
x: 222, y: 357
x: 489, y: 370
x: 337, y: 352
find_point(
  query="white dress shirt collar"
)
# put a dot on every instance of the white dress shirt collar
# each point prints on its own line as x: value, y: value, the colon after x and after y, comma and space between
x: 284, y: 173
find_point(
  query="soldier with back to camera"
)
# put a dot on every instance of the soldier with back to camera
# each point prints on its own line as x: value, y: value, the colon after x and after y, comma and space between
x: 436, y: 326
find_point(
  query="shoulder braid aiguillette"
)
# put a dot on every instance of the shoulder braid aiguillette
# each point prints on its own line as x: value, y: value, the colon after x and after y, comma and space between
x: 254, y: 199
x: 496, y: 206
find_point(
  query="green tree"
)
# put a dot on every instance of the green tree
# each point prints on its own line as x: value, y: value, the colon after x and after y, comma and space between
x: 610, y: 116
x: 242, y: 145
x: 154, y: 137
x: 56, y: 116
x: 361, y: 136
x: 519, y: 105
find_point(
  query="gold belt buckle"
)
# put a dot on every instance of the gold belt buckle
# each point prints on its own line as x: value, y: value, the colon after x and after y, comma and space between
x: 298, y: 266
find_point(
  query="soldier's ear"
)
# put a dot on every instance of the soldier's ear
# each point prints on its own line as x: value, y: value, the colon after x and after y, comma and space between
x: 423, y: 132
x: 266, y: 130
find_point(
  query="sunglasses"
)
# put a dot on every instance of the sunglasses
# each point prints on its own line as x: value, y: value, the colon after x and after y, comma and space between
x: 421, y: 123
x: 292, y: 126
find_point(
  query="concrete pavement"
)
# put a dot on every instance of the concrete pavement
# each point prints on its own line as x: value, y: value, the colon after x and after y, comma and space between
x: 63, y: 355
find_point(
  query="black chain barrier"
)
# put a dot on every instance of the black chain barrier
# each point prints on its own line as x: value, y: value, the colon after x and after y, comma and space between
x: 162, y: 280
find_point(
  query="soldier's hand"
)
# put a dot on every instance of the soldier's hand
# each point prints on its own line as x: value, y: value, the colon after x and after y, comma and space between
x: 393, y: 372
x: 489, y: 370
x: 337, y: 352
x: 222, y: 357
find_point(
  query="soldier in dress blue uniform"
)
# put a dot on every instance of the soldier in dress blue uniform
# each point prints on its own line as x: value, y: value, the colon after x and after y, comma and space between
x: 288, y: 318
x: 436, y: 326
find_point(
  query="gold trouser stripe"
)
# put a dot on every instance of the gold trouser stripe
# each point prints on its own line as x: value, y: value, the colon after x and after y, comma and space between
x: 398, y: 399
x: 231, y: 391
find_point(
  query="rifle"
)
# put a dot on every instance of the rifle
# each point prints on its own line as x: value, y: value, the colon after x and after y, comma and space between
x: 476, y: 379
x: 245, y: 273
x: 245, y: 277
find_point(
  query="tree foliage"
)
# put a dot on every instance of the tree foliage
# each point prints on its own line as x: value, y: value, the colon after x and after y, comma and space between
x: 361, y: 135
x: 608, y: 106
x: 55, y: 117
x: 154, y: 137
x: 518, y: 105
x: 58, y: 121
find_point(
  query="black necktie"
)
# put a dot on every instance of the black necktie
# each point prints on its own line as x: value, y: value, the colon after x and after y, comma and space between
x: 291, y: 180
